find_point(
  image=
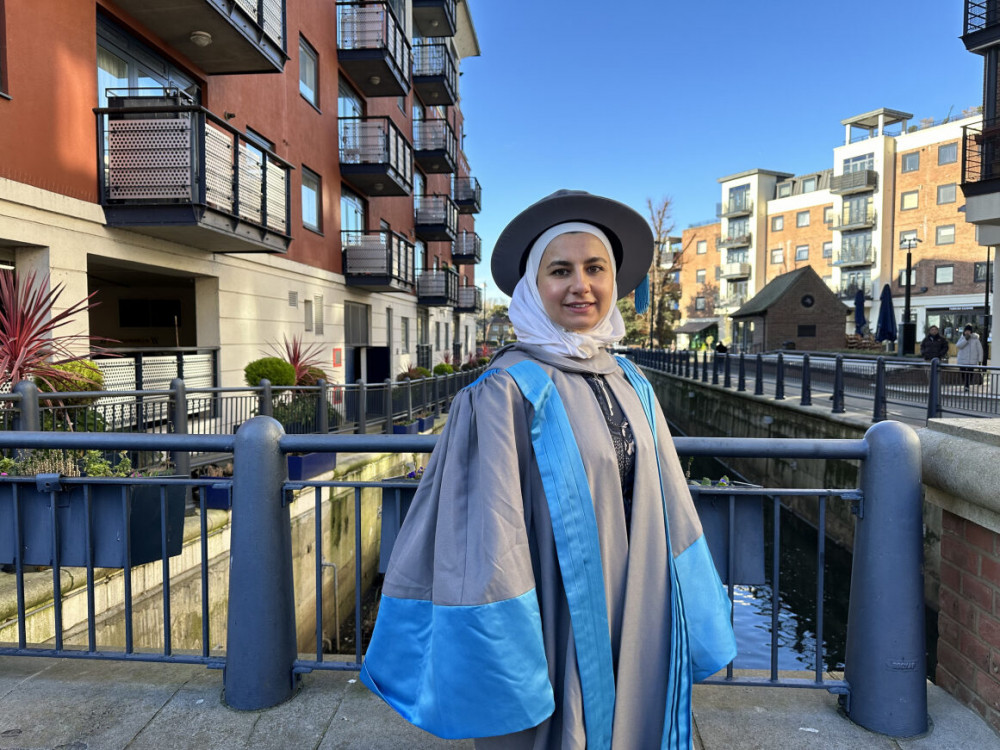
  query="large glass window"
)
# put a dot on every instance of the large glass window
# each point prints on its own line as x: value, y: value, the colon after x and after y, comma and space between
x: 349, y: 104
x: 352, y: 211
x: 802, y: 252
x: 777, y: 255
x: 828, y: 249
x: 699, y: 276
x: 944, y: 274
x: 948, y: 153
x: 808, y: 184
x: 308, y: 72
x: 945, y: 235
x: 777, y: 223
x: 737, y: 256
x: 946, y: 193
x: 908, y: 200
x: 911, y: 161
x: 859, y: 163
x: 739, y: 198
x: 312, y: 200
x: 125, y: 62
x: 702, y: 247
x: 802, y: 219
x: 739, y: 227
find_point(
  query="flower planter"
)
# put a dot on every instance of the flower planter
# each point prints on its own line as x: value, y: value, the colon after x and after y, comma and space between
x: 748, y: 539
x: 406, y: 429
x: 218, y: 496
x: 141, y: 514
x: 395, y: 504
x: 309, y: 465
x: 427, y: 423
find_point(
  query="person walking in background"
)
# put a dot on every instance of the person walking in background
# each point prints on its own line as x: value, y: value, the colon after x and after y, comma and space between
x: 970, y: 354
x: 934, y: 345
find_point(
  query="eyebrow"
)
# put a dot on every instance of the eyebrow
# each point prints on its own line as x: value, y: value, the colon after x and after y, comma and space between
x: 560, y: 262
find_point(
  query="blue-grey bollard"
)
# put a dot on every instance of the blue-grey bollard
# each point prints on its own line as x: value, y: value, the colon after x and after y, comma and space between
x: 715, y: 368
x: 260, y: 640
x: 806, y: 382
x: 179, y: 420
x: 885, y: 661
x: 727, y: 381
x: 934, y: 390
x: 27, y: 416
x: 322, y: 412
x: 879, y: 407
x: 779, y: 380
x: 758, y: 384
x: 704, y: 368
x: 265, y: 399
x: 838, y: 385
x: 741, y: 380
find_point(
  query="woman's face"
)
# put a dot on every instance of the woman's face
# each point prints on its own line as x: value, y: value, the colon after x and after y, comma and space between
x: 576, y: 281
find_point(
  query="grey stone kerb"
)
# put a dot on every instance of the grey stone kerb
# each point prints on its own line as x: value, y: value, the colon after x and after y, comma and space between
x: 961, y: 468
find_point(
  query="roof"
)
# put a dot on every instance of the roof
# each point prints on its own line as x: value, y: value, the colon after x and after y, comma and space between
x: 697, y: 325
x: 771, y: 293
x: 749, y: 172
x: 870, y: 119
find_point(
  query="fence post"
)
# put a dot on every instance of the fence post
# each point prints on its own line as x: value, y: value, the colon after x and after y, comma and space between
x: 265, y: 401
x: 758, y: 381
x: 779, y: 380
x: 934, y: 390
x: 687, y: 364
x: 322, y: 412
x: 261, y: 646
x: 879, y: 408
x: 390, y: 407
x: 885, y: 661
x: 741, y: 383
x: 362, y: 426
x: 715, y: 368
x: 806, y: 382
x: 838, y: 385
x: 727, y: 381
x: 28, y: 416
x: 179, y: 420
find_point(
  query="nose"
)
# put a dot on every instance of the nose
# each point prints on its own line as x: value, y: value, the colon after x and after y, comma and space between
x: 580, y: 282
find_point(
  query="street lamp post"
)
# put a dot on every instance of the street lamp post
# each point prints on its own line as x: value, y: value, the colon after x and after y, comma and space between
x: 987, y: 323
x: 908, y: 329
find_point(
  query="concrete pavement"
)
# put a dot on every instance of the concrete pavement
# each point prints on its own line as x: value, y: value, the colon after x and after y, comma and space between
x: 76, y: 704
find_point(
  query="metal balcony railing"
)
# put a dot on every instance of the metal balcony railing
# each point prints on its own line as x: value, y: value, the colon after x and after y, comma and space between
x: 735, y: 270
x: 437, y: 287
x: 981, y: 157
x: 380, y: 260
x: 435, y: 218
x: 735, y: 207
x: 435, y: 146
x: 856, y: 219
x: 373, y: 48
x: 466, y: 249
x: 854, y: 182
x: 435, y: 74
x: 166, y: 164
x: 981, y: 14
x: 470, y: 299
x: 855, y: 255
x: 734, y: 300
x: 468, y: 194
x: 376, y: 156
x: 737, y: 240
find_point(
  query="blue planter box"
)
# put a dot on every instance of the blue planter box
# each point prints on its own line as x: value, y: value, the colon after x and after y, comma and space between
x: 406, y: 429
x: 427, y: 423
x: 310, y: 465
x: 395, y: 504
x: 141, y: 514
x: 218, y: 496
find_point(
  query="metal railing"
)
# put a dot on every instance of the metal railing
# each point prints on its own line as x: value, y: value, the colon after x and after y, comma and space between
x: 437, y: 287
x: 434, y: 135
x: 736, y: 240
x: 373, y: 26
x: 470, y: 299
x: 435, y: 211
x: 435, y: 60
x: 379, y: 254
x: 467, y: 248
x: 860, y: 254
x: 910, y: 390
x: 981, y: 14
x: 468, y: 194
x: 863, y: 179
x: 261, y: 655
x: 734, y: 207
x: 376, y: 141
x: 856, y: 219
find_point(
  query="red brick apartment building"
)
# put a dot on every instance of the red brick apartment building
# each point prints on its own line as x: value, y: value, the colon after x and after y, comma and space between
x: 893, y: 190
x: 227, y: 174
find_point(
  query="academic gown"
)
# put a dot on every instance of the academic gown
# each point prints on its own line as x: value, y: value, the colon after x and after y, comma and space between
x: 474, y: 636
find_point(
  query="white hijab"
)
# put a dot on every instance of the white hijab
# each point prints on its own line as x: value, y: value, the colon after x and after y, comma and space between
x: 533, y: 325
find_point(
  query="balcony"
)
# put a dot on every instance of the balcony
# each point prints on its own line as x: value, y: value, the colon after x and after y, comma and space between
x: 168, y: 168
x: 244, y: 37
x: 435, y: 75
x: 861, y: 255
x: 437, y: 288
x: 733, y: 301
x: 372, y: 49
x: 470, y: 300
x: 466, y: 249
x: 849, y: 289
x: 375, y: 156
x: 854, y: 182
x: 436, y: 218
x: 435, y: 146
x: 982, y: 25
x: 434, y: 18
x: 735, y: 270
x: 378, y: 261
x: 468, y: 195
x: 734, y: 208
x: 859, y: 219
x: 981, y: 159
x: 736, y: 240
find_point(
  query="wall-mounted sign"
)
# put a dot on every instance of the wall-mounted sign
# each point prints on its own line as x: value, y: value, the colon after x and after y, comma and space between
x: 338, y: 359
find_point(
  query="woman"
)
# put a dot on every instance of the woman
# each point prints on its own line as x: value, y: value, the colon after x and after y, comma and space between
x: 533, y: 599
x: 970, y: 353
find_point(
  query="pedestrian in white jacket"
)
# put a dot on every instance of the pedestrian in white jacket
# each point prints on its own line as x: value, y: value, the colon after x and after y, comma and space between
x: 970, y: 353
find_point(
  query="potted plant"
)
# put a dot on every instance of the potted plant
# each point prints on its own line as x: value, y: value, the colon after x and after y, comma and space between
x: 404, y: 427
x: 396, y: 502
x: 117, y: 511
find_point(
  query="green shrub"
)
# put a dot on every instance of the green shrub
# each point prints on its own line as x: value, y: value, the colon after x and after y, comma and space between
x: 299, y: 413
x: 482, y: 361
x: 443, y: 368
x: 276, y: 370
x: 73, y: 377
x: 312, y: 376
x: 414, y: 373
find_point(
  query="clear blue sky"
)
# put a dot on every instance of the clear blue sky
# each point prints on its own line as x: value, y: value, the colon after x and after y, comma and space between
x: 651, y: 98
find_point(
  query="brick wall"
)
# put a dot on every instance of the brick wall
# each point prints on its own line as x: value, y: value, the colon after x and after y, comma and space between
x: 691, y: 263
x: 792, y: 236
x: 969, y: 619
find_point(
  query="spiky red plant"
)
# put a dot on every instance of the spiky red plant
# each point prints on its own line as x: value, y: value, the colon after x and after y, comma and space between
x: 29, y: 344
x: 306, y: 359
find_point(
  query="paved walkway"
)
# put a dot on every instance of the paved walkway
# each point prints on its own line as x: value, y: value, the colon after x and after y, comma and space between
x: 74, y: 704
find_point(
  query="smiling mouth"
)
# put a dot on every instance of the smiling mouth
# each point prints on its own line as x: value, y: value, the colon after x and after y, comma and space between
x: 580, y: 305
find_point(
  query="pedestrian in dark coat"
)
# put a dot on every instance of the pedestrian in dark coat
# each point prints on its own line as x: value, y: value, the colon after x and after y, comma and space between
x: 934, y: 345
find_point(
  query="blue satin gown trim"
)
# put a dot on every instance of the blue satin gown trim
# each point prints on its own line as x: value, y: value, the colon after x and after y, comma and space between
x: 430, y: 662
x: 574, y: 526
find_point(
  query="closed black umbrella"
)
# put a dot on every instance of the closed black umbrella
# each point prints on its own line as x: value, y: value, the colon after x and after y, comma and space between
x: 859, y: 312
x: 885, y: 330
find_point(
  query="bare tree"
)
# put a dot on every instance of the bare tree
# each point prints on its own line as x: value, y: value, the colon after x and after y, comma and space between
x: 667, y: 261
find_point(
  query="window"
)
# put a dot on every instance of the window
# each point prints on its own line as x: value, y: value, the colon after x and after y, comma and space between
x: 702, y: 247
x: 911, y: 161
x: 806, y: 331
x: 859, y: 163
x: 802, y: 252
x: 828, y: 215
x: 699, y: 303
x: 739, y: 227
x: 318, y: 314
x: 777, y: 223
x: 827, y: 249
x: 907, y: 238
x: 308, y: 73
x: 784, y: 189
x: 307, y: 314
x: 718, y: 272
x: 808, y: 184
x: 948, y: 153
x: 945, y: 235
x: 447, y: 333
x: 437, y: 335
x: 778, y: 255
x: 356, y: 327
x: 946, y: 193
x: 312, y: 202
x: 913, y: 277
x: 737, y: 255
x: 352, y: 211
x: 979, y: 272
x: 944, y: 274
x: 405, y: 334
x: 699, y: 276
x: 739, y: 198
x: 908, y: 201
x: 802, y: 219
